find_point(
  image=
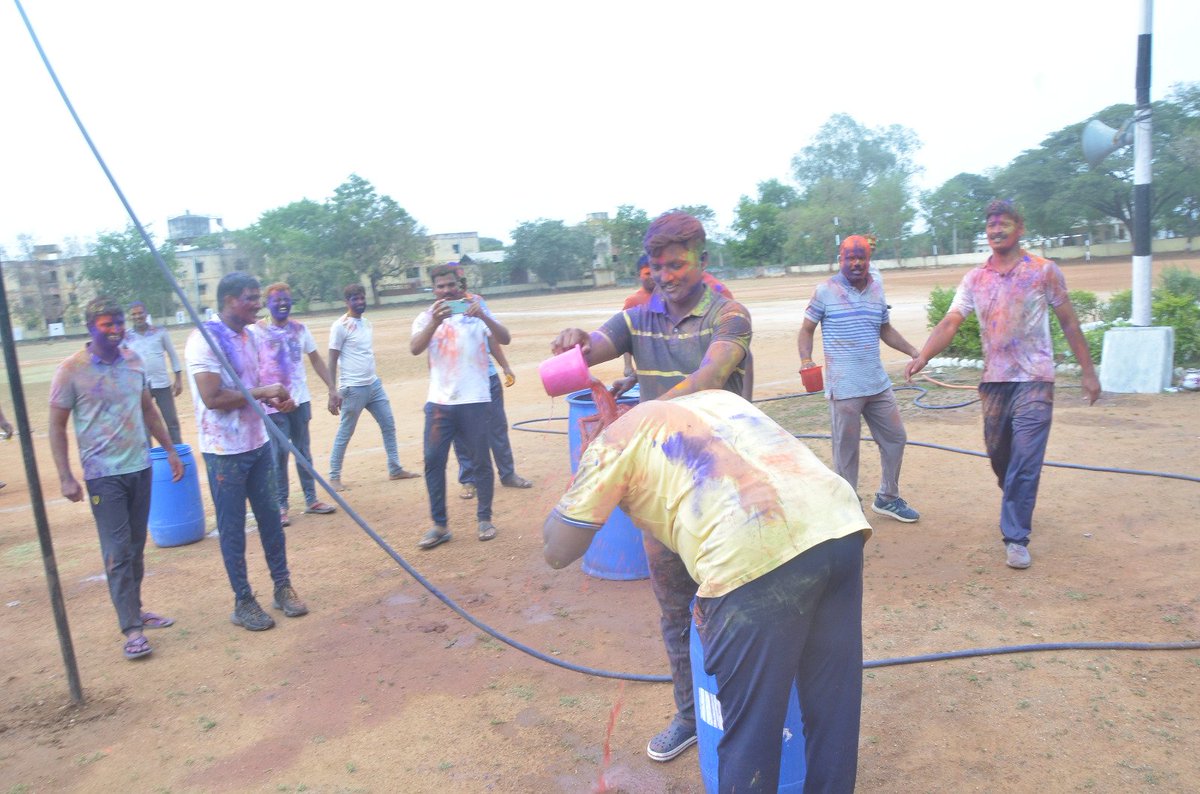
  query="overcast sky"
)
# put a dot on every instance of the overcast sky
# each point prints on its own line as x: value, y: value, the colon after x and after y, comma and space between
x: 477, y: 116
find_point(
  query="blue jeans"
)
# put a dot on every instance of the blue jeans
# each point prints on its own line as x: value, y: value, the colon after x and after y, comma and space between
x: 374, y: 400
x: 121, y: 506
x: 497, y: 440
x: 294, y: 425
x: 674, y: 588
x: 232, y: 479
x: 443, y: 424
x: 801, y: 623
x: 1016, y: 429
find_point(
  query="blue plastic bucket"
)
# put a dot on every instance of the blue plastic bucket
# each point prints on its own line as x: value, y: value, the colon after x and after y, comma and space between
x: 176, y: 512
x: 616, y: 551
x: 710, y: 728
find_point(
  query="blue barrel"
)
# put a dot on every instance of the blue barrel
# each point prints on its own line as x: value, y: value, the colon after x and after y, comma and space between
x: 710, y: 728
x: 176, y: 512
x: 616, y: 551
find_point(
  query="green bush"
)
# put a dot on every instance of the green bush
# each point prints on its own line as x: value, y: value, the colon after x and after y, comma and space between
x: 1181, y: 282
x: 1088, y: 309
x: 1119, y: 307
x: 966, y: 343
x: 1181, y: 312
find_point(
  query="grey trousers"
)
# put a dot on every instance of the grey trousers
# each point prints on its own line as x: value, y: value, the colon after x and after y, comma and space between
x: 883, y: 418
x: 121, y: 506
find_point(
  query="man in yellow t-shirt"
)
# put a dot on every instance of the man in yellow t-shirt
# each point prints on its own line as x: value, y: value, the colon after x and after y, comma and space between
x: 775, y: 541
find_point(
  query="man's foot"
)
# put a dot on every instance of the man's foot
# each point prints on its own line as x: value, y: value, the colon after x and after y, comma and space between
x: 403, y: 474
x: 336, y: 484
x: 320, y: 508
x: 283, y: 517
x: 250, y: 616
x: 487, y: 530
x: 2, y: 484
x: 896, y: 508
x: 287, y: 600
x: 515, y: 481
x: 1017, y: 556
x: 467, y: 492
x: 671, y: 742
x: 137, y: 647
x: 434, y: 537
x: 153, y: 621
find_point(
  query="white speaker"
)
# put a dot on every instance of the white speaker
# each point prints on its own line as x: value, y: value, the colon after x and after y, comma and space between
x: 1101, y: 140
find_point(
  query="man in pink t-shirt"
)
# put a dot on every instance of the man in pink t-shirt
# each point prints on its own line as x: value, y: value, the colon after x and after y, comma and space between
x: 1012, y: 294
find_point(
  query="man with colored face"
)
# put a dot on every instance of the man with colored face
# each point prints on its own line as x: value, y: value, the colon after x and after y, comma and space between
x: 1012, y: 294
x: 775, y: 541
x: 685, y: 339
x: 456, y: 330
x: 854, y: 317
x: 150, y: 343
x: 105, y: 390
x: 352, y: 364
x: 284, y: 343
x: 237, y: 450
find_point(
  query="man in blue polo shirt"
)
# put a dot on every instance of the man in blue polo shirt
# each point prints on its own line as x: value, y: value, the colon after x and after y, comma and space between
x: 853, y: 315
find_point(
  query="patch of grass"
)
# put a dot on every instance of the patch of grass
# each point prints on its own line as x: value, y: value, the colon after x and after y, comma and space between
x: 84, y: 760
x: 569, y: 702
x: 350, y: 767
x: 1074, y: 595
x: 1023, y: 704
x: 206, y: 724
x: 443, y: 766
x: 1172, y: 619
x: 1023, y: 664
x: 524, y: 692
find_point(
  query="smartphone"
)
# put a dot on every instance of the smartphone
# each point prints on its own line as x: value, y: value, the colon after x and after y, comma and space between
x: 458, y: 306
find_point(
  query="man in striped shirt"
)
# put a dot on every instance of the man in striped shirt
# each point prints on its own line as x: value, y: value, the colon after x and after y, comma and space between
x: 853, y: 315
x: 685, y: 339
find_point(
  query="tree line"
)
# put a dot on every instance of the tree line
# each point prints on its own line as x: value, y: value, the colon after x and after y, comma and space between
x: 849, y: 179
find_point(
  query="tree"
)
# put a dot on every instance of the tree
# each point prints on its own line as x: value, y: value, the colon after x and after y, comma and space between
x: 859, y: 176
x: 121, y: 267
x: 627, y: 230
x: 551, y: 250
x: 759, y: 228
x: 293, y: 243
x: 490, y: 244
x: 372, y: 234
x: 953, y: 211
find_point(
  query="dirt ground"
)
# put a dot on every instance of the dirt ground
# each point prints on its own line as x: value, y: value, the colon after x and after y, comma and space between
x: 383, y: 688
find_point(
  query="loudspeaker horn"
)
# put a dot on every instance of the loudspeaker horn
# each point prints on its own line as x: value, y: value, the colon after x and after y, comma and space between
x: 1101, y: 140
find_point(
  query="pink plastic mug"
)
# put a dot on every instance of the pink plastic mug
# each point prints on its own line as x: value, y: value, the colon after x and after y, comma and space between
x: 564, y: 373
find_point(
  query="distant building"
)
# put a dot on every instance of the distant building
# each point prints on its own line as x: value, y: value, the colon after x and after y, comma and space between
x: 45, y: 289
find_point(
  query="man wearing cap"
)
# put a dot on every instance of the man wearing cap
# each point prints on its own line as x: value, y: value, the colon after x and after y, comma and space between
x: 150, y: 343
x: 685, y: 339
x: 853, y: 314
x: 104, y: 389
x: 284, y: 343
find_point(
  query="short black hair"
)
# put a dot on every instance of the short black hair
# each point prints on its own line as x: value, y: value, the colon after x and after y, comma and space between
x: 353, y: 289
x: 234, y: 284
x: 100, y: 306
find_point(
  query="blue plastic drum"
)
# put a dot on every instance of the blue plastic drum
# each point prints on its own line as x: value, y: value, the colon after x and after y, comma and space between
x: 176, y: 512
x: 616, y: 552
x: 710, y: 728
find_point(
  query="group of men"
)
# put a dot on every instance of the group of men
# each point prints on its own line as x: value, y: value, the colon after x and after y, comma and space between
x: 744, y: 528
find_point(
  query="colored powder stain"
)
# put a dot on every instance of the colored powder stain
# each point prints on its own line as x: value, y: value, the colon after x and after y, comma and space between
x: 601, y: 783
x: 691, y: 452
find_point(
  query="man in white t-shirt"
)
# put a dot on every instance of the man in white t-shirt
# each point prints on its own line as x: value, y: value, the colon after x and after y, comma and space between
x: 352, y: 367
x: 455, y: 330
x: 283, y: 344
x: 236, y: 451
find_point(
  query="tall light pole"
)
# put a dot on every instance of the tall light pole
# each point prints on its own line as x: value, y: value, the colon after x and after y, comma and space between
x: 1143, y: 151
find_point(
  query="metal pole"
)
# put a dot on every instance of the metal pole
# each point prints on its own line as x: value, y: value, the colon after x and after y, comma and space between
x: 1143, y: 150
x: 21, y: 417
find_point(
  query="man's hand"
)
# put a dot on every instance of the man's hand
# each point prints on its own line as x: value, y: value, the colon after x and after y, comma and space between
x: 177, y: 389
x: 175, y: 463
x: 71, y: 489
x: 622, y: 385
x: 440, y: 310
x: 913, y: 367
x: 335, y: 403
x: 509, y: 377
x: 1091, y: 388
x: 474, y: 308
x: 569, y: 338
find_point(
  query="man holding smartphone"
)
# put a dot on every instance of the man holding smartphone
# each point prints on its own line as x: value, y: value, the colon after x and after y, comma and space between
x: 455, y: 330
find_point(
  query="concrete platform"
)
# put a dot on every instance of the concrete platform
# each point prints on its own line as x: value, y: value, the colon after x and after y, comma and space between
x: 1137, y: 360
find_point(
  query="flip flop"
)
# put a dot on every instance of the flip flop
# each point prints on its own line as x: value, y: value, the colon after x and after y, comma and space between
x: 404, y: 474
x: 434, y: 537
x: 153, y: 621
x: 137, y: 647
x: 487, y: 530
